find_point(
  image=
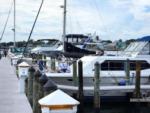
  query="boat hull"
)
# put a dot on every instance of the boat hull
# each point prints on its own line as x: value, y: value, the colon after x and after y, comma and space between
x: 104, y: 82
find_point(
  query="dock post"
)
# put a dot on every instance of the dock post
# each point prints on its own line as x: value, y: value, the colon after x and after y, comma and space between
x: 36, y: 107
x: 56, y: 103
x: 30, y: 85
x: 96, y: 88
x: 137, y: 93
x: 40, y: 56
x: 23, y: 74
x: 137, y: 83
x: 80, y: 88
x: 49, y: 87
x: 53, y: 65
x: 127, y: 71
x: 44, y: 60
x: 43, y: 79
x: 40, y: 91
x: 26, y: 86
x: 75, y: 79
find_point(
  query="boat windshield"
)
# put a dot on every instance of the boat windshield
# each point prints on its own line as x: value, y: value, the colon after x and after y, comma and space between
x: 137, y: 48
x: 48, y: 44
x: 17, y: 50
x: 94, y: 46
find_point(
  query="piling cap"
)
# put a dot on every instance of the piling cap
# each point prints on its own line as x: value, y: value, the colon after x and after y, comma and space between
x: 58, y: 98
x: 43, y: 79
x: 23, y: 64
x: 50, y: 85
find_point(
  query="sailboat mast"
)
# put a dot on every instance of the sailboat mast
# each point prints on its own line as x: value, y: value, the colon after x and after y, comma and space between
x: 14, y: 23
x: 64, y: 23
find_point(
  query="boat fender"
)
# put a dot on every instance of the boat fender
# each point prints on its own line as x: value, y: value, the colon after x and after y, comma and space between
x: 122, y: 83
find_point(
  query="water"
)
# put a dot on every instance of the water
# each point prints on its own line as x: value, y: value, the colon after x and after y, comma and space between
x: 119, y: 108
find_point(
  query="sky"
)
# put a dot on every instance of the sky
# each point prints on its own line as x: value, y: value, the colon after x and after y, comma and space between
x: 110, y: 19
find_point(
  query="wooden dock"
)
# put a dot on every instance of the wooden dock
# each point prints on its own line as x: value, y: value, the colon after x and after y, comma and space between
x: 11, y: 101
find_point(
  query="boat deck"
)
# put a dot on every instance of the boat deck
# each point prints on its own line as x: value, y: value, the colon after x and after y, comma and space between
x: 11, y: 101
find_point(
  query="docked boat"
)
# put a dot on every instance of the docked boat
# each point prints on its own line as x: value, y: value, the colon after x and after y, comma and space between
x: 112, y: 73
x: 46, y: 45
x: 74, y: 46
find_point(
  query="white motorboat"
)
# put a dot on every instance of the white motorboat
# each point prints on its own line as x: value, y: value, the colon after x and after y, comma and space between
x: 48, y: 45
x: 112, y: 73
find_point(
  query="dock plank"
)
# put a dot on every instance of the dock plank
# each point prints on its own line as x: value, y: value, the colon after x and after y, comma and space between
x: 11, y: 101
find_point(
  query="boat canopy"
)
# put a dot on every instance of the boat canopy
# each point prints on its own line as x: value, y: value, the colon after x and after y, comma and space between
x: 137, y: 48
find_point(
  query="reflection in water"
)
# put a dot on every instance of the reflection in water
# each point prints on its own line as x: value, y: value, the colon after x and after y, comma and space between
x: 119, y: 108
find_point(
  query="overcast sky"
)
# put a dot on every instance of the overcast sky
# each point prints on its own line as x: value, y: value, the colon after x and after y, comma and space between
x: 110, y: 19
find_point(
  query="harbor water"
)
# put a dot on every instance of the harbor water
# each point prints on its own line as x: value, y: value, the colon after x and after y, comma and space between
x: 119, y: 108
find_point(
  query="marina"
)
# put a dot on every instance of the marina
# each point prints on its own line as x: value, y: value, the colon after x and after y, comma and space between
x: 97, y: 86
x: 51, y: 86
x: 79, y: 69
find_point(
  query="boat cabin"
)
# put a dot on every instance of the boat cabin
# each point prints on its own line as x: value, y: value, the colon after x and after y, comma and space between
x: 112, y: 63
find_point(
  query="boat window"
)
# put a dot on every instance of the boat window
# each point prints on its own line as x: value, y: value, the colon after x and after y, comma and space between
x: 119, y: 65
x: 144, y: 65
x: 132, y: 65
x: 17, y: 50
x: 111, y: 65
x: 74, y: 40
x: 80, y: 40
x: 92, y: 47
x: 69, y: 39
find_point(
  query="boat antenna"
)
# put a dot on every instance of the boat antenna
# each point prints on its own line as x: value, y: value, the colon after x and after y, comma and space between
x: 6, y: 22
x: 64, y: 24
x: 33, y: 27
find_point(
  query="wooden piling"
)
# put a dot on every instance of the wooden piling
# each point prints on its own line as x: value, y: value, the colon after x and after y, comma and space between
x: 96, y: 88
x: 30, y: 85
x: 49, y: 87
x: 40, y: 92
x: 26, y: 86
x: 127, y: 71
x: 53, y: 65
x: 80, y: 87
x: 75, y: 78
x: 40, y: 88
x: 138, y: 77
x: 43, y: 79
x: 44, y: 60
x: 36, y: 107
x: 40, y: 57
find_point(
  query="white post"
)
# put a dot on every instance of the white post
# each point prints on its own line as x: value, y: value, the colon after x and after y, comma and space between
x: 45, y: 110
x: 23, y: 73
x: 53, y: 103
x: 22, y: 84
x: 74, y: 109
x: 14, y: 60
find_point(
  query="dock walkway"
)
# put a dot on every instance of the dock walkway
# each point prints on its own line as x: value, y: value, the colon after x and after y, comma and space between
x: 11, y: 101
